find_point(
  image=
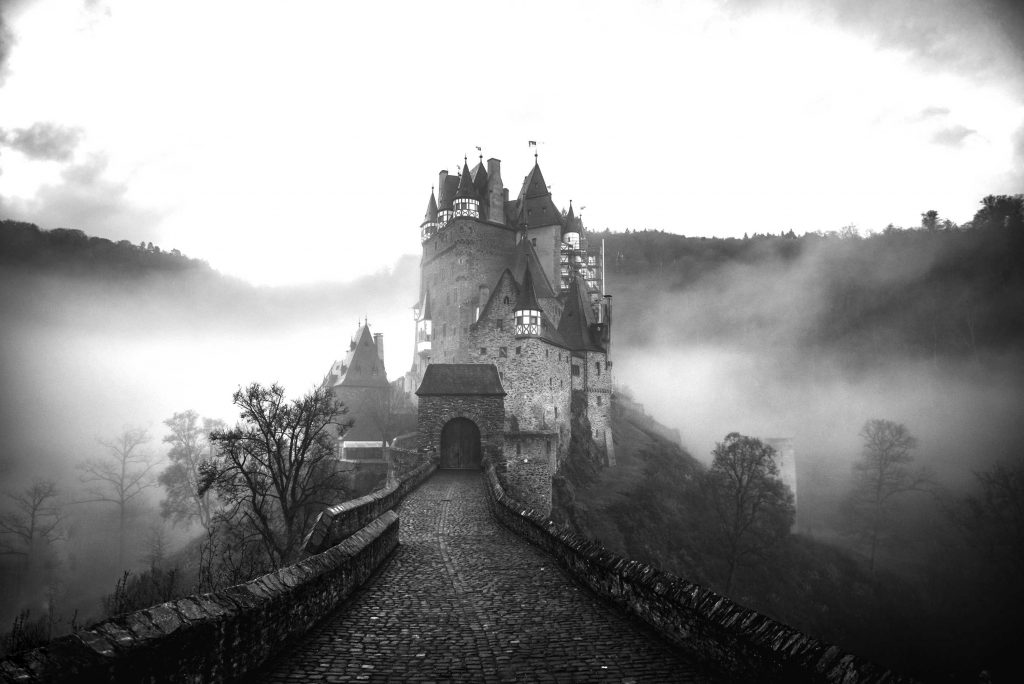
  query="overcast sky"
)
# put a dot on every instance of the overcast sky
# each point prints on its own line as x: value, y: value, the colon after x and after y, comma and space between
x: 295, y: 142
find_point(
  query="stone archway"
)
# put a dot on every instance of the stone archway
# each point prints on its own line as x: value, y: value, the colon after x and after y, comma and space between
x: 460, y: 445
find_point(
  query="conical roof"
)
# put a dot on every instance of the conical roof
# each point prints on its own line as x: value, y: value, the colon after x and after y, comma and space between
x: 534, y: 185
x: 466, y: 188
x: 571, y: 223
x: 480, y: 179
x: 574, y: 326
x: 363, y: 365
x: 527, y: 295
x: 431, y: 215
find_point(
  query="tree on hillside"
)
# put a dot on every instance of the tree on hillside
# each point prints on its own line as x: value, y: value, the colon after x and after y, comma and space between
x: 930, y: 220
x: 752, y: 508
x: 120, y: 477
x: 190, y: 447
x: 881, y: 477
x: 993, y: 519
x: 274, y: 470
x: 1000, y: 211
x: 32, y: 523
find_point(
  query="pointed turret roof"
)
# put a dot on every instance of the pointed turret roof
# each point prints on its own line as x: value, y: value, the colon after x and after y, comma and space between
x: 466, y: 188
x: 571, y: 223
x: 574, y: 326
x: 480, y: 179
x: 534, y: 185
x: 534, y: 208
x: 528, y: 261
x: 431, y: 215
x: 363, y: 366
x: 527, y: 295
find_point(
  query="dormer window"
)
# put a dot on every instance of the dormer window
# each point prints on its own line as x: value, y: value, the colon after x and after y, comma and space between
x: 527, y: 322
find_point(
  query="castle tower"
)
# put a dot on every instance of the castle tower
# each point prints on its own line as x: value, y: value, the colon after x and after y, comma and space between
x: 429, y: 226
x: 509, y: 305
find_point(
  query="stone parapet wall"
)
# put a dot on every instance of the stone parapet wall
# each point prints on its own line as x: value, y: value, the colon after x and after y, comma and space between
x: 743, y: 644
x: 339, y: 521
x: 213, y: 637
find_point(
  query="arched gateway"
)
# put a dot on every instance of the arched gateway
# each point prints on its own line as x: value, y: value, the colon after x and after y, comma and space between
x: 460, y: 444
x: 461, y: 414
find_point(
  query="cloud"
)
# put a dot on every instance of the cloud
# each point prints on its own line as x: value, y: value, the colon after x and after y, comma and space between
x: 984, y: 38
x: 86, y: 199
x: 933, y: 112
x: 6, y: 42
x: 43, y: 140
x: 953, y: 136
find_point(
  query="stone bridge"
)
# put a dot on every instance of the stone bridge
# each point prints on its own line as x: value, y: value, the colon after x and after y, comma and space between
x: 443, y: 577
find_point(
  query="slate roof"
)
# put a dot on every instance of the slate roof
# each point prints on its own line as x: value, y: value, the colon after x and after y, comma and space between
x: 446, y: 193
x: 431, y: 215
x: 527, y: 296
x: 361, y: 362
x: 527, y: 260
x: 574, y: 326
x: 480, y: 179
x: 534, y: 206
x: 466, y: 188
x: 460, y: 379
x: 571, y: 223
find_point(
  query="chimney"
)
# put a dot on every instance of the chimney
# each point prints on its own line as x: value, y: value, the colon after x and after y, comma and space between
x: 495, y: 191
x: 378, y: 339
x: 441, y: 176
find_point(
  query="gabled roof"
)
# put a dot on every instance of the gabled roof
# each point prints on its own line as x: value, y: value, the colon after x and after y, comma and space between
x: 506, y: 276
x: 363, y: 365
x: 527, y: 296
x: 527, y: 260
x: 431, y: 215
x: 466, y: 188
x: 448, y: 379
x: 574, y: 326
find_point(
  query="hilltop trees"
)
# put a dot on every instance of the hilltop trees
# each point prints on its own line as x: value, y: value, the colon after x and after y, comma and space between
x: 273, y: 470
x: 32, y: 523
x: 881, y: 477
x: 752, y: 509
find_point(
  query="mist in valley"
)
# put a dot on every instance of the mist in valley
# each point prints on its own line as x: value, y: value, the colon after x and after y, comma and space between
x: 86, y: 357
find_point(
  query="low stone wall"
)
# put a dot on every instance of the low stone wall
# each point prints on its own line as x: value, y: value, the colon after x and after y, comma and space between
x: 213, y: 637
x: 746, y: 645
x: 339, y: 521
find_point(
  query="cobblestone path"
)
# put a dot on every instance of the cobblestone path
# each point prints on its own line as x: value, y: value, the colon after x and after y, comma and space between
x: 463, y: 599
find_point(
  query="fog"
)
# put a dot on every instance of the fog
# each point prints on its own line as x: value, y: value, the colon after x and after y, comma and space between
x: 82, y: 358
x: 752, y: 347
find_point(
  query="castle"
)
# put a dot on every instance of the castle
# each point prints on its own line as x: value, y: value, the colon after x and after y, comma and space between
x: 513, y: 331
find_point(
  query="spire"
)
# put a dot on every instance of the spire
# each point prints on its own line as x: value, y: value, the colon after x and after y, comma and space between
x: 431, y: 215
x: 574, y: 326
x: 527, y: 295
x: 569, y: 226
x: 534, y: 185
x: 466, y: 188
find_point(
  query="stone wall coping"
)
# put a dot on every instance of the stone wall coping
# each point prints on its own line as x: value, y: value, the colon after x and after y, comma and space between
x: 336, y: 522
x: 726, y: 635
x: 213, y: 637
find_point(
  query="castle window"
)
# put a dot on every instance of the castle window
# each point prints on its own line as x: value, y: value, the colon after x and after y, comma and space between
x: 561, y: 385
x: 597, y: 365
x: 575, y: 370
x: 547, y: 448
x: 502, y: 352
x: 483, y: 350
x: 534, y: 241
x: 519, y: 449
x: 505, y: 300
x: 551, y: 383
x: 599, y: 400
x: 556, y: 413
x: 500, y: 324
x: 519, y: 350
x: 527, y: 322
x: 547, y: 353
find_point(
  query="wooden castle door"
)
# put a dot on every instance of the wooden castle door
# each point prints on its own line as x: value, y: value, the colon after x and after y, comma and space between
x: 460, y: 444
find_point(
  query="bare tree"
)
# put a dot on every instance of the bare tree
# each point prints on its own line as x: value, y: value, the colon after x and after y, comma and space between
x: 120, y: 477
x: 274, y: 469
x: 190, y: 446
x: 752, y: 507
x: 33, y: 524
x: 881, y: 477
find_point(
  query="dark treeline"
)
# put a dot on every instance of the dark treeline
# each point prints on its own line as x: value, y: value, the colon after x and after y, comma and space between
x: 73, y: 252
x: 922, y: 292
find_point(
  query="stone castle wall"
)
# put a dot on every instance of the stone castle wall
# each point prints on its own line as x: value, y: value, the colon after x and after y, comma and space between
x: 487, y: 412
